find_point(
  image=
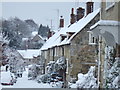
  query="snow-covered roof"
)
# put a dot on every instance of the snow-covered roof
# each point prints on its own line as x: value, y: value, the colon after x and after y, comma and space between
x: 38, y: 36
x: 29, y: 53
x: 41, y: 37
x: 24, y: 39
x: 34, y: 33
x: 105, y: 22
x: 55, y: 40
x: 82, y: 23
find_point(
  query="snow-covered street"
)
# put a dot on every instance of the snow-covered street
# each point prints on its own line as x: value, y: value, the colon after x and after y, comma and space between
x: 25, y: 83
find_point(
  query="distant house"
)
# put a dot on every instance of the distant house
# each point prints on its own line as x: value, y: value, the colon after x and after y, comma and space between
x: 72, y: 42
x: 36, y: 42
x: 31, y: 56
x: 33, y: 42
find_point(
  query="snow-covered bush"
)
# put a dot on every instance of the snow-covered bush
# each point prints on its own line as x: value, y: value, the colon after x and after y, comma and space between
x: 34, y: 71
x: 43, y: 78
x: 113, y: 77
x: 60, y: 64
x: 86, y: 80
x: 14, y: 59
x: 3, y: 39
x: 54, y: 66
x: 50, y: 67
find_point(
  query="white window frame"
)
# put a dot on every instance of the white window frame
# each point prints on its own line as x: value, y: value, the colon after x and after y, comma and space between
x: 67, y: 66
x: 45, y: 54
x: 55, y: 51
x: 51, y: 52
x: 109, y: 4
x: 91, y: 38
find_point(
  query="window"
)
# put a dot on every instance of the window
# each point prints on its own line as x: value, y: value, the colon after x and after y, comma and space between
x: 63, y: 37
x: 92, y: 39
x: 109, y: 4
x: 51, y: 52
x: 67, y: 66
x: 56, y: 51
x: 70, y: 34
x: 45, y: 54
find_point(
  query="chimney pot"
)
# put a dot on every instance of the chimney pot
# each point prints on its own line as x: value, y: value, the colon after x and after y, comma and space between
x: 72, y: 10
x: 89, y: 7
x: 72, y: 20
x: 49, y: 34
x: 61, y: 22
x: 80, y: 13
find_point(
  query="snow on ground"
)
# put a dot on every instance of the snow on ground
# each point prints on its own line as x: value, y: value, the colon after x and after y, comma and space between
x: 25, y: 83
x: 5, y: 77
x: 86, y: 80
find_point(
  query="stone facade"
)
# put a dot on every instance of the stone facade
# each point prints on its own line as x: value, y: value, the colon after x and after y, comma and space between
x: 109, y: 11
x: 79, y: 54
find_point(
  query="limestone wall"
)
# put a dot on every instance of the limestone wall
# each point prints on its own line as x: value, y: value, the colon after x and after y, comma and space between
x: 111, y: 13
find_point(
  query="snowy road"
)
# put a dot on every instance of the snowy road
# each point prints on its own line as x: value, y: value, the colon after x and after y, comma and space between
x: 25, y: 83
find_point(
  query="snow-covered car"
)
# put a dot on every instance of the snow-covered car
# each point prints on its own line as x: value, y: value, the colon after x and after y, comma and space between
x: 7, y: 78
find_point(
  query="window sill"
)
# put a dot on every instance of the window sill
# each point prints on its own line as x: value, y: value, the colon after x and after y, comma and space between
x: 66, y: 72
x: 92, y: 43
x: 112, y: 5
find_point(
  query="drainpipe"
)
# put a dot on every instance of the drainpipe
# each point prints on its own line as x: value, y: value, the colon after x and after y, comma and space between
x: 99, y: 58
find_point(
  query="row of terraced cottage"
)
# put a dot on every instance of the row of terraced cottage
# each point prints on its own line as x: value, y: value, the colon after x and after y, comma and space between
x: 83, y: 42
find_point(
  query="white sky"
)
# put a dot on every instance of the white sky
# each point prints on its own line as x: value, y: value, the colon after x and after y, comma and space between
x: 40, y: 12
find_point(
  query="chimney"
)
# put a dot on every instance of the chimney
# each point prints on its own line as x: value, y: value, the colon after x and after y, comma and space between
x: 49, y: 34
x: 72, y: 16
x: 61, y: 22
x: 89, y: 7
x: 80, y: 13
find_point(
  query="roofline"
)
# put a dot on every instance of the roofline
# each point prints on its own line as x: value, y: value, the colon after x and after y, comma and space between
x: 83, y: 27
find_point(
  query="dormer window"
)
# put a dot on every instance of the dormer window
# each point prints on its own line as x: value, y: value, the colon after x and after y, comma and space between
x: 63, y: 37
x: 70, y: 34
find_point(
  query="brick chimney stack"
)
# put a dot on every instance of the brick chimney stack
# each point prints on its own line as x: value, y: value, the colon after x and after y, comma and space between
x: 72, y: 16
x: 61, y: 22
x: 49, y: 34
x: 80, y: 13
x: 89, y: 7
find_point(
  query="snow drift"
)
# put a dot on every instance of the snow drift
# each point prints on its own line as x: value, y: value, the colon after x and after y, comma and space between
x: 86, y: 80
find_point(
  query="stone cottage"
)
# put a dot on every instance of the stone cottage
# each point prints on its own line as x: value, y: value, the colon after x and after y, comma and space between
x: 72, y: 42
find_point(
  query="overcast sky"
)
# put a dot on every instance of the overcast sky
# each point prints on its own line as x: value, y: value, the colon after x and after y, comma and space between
x: 40, y: 12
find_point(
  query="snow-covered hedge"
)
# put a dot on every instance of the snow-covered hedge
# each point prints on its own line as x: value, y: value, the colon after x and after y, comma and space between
x: 86, y: 80
x: 113, y: 77
x: 33, y: 71
x: 43, y: 78
x: 54, y: 66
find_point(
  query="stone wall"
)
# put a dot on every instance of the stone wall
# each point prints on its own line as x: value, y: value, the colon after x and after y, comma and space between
x: 111, y: 13
x: 82, y: 55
